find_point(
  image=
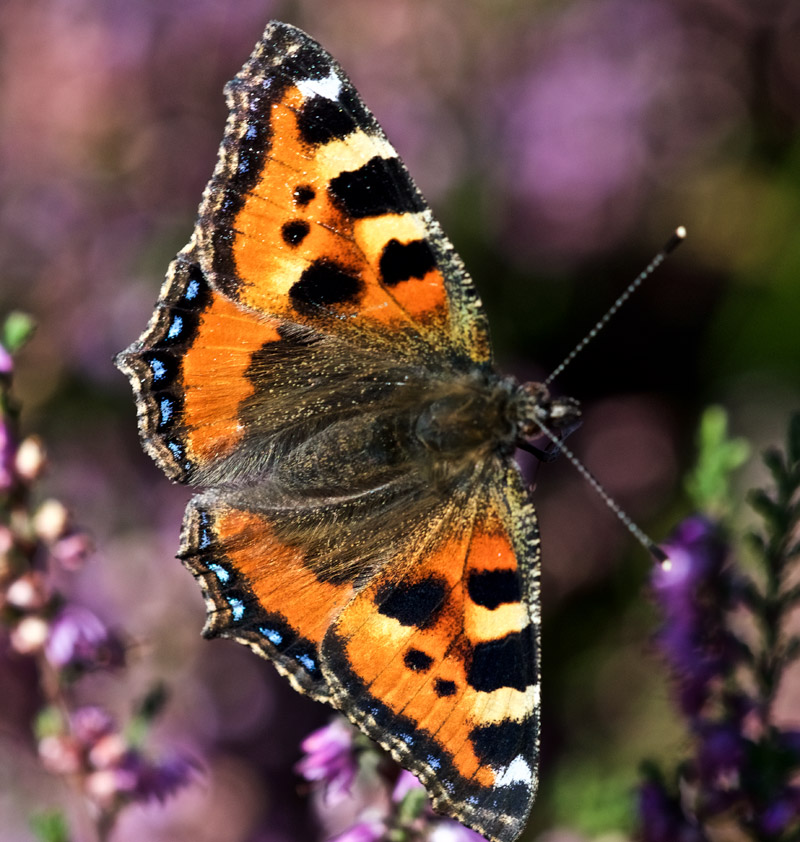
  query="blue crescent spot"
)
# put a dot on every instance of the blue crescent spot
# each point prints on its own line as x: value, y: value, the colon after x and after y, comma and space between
x: 272, y: 635
x: 237, y: 607
x: 220, y: 572
x: 433, y: 762
x: 175, y: 328
x: 158, y: 368
x: 166, y: 410
x: 205, y: 540
x: 177, y: 450
x: 251, y: 132
x: 192, y: 289
x: 308, y: 662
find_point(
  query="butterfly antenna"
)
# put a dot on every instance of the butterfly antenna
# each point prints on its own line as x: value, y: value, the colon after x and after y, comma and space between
x: 672, y: 243
x: 648, y: 543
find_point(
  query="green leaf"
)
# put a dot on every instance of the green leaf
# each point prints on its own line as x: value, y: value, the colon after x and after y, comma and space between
x: 708, y: 485
x: 16, y: 331
x: 50, y: 826
x: 49, y: 723
x: 771, y: 511
x: 412, y: 805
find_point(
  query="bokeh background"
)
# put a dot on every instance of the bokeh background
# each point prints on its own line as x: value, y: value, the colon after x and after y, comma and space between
x: 559, y: 143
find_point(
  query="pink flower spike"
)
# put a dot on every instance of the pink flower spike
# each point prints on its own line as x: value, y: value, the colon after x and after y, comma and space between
x: 406, y: 782
x: 330, y: 759
x: 364, y: 831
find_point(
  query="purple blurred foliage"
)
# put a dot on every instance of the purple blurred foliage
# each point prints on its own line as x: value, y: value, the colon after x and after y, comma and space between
x: 578, y: 125
x: 662, y: 817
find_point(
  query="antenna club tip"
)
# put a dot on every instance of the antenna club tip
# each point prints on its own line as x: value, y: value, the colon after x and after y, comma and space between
x: 675, y: 240
x: 661, y: 557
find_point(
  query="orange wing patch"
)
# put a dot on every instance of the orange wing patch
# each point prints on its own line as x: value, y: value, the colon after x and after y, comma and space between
x: 215, y: 380
x: 191, y: 371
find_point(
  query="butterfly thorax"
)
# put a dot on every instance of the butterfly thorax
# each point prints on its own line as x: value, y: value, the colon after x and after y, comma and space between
x: 476, y: 418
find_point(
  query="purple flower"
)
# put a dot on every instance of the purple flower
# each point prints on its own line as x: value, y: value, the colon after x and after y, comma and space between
x: 7, y: 453
x: 693, y: 591
x: 79, y: 639
x: 90, y: 724
x: 448, y: 830
x: 406, y: 782
x: 159, y: 780
x: 781, y: 813
x: 6, y: 362
x: 721, y: 754
x: 662, y: 818
x: 330, y: 759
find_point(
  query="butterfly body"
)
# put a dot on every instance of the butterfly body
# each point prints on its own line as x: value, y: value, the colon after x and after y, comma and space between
x: 318, y: 364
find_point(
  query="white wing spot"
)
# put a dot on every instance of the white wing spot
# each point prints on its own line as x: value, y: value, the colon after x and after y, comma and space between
x: 517, y: 772
x: 330, y: 87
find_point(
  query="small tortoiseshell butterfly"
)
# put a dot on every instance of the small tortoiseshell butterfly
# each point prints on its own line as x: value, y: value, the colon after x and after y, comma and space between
x: 319, y: 362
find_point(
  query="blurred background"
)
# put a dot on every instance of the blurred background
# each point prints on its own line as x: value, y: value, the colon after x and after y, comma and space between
x: 559, y: 143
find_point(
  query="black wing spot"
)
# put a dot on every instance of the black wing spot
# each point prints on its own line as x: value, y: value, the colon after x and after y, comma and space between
x: 295, y: 232
x: 322, y: 284
x: 491, y: 588
x: 403, y: 261
x: 303, y: 195
x: 443, y: 687
x: 378, y: 187
x: 417, y: 660
x: 509, y: 661
x: 498, y: 744
x: 413, y: 605
x: 322, y: 120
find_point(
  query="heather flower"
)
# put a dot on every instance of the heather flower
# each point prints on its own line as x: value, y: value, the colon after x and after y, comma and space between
x: 6, y: 362
x: 114, y: 771
x: 90, y: 723
x: 364, y: 831
x: 406, y: 782
x: 692, y: 591
x: 330, y: 759
x: 447, y: 830
x: 7, y: 451
x: 78, y: 639
x: 72, y: 550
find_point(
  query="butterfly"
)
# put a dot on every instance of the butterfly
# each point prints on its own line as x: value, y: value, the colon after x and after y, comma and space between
x: 318, y: 365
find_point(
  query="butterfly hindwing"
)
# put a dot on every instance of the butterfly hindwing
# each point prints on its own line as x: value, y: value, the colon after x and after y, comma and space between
x: 244, y: 568
x: 437, y: 658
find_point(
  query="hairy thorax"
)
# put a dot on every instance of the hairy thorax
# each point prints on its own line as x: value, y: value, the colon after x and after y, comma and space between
x: 445, y: 433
